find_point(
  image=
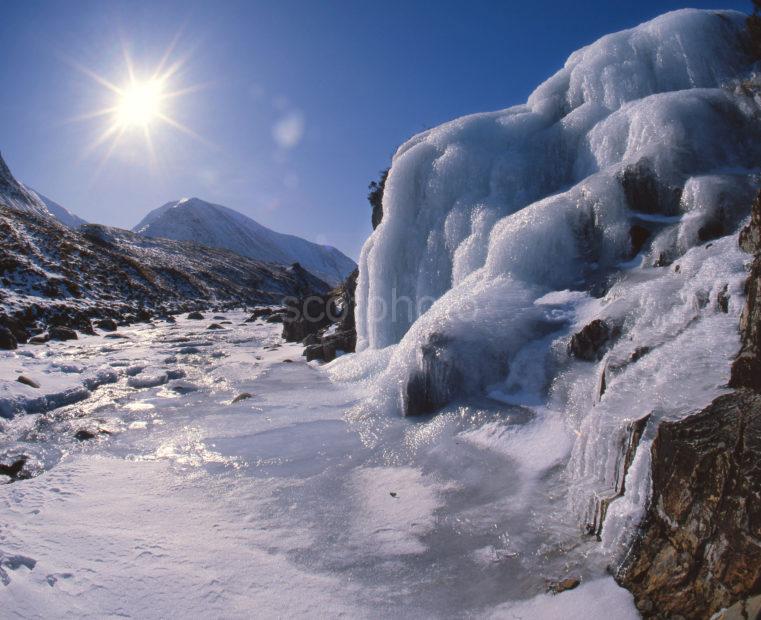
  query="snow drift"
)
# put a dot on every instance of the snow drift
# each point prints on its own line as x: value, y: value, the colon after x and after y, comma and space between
x: 615, y: 193
x: 193, y: 219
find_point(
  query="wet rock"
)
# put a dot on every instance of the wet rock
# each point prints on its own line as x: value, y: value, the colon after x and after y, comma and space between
x: 746, y: 369
x: 84, y: 434
x: 437, y: 379
x: 274, y: 318
x: 219, y: 317
x: 39, y: 339
x: 241, y: 396
x: 589, y: 344
x: 750, y: 236
x: 8, y: 341
x: 722, y: 300
x: 629, y: 441
x: 107, y: 325
x: 117, y: 336
x: 645, y: 192
x: 638, y: 235
x: 195, y: 316
x: 13, y: 466
x: 62, y: 333
x: 215, y: 326
x: 699, y: 549
x: 27, y: 381
x: 556, y: 587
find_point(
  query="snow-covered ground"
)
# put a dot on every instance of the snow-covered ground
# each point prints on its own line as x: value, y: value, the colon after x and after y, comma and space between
x: 293, y: 502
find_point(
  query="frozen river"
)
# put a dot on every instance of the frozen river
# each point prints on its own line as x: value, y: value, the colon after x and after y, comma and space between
x: 298, y: 500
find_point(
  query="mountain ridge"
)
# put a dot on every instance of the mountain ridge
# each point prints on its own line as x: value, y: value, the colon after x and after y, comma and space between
x: 217, y: 226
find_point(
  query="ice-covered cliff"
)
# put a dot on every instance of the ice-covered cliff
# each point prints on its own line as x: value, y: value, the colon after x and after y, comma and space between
x: 577, y: 253
x: 193, y: 219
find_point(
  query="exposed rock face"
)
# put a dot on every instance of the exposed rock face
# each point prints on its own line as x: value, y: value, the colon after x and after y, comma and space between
x: 325, y: 324
x: 746, y: 370
x: 375, y: 197
x: 437, y: 381
x: 589, y: 343
x: 700, y: 549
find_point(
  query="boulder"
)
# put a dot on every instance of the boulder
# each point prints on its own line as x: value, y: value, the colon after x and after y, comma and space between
x: 27, y: 381
x: 259, y: 313
x: 62, y: 333
x: 40, y: 338
x: 16, y: 327
x: 215, y: 326
x: 241, y: 396
x: 107, y: 325
x: 7, y: 339
x: 195, y: 316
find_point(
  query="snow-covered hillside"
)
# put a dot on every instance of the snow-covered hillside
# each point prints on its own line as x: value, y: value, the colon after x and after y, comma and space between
x: 17, y: 196
x: 192, y: 219
x: 62, y: 214
x: 613, y: 195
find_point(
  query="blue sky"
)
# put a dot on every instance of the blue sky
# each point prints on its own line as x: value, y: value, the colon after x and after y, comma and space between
x: 298, y: 104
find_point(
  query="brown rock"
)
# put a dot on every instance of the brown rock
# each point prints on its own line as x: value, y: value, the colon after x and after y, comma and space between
x: 700, y: 544
x: 27, y: 381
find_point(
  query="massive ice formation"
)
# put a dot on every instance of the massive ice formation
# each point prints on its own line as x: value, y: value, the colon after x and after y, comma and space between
x: 613, y: 194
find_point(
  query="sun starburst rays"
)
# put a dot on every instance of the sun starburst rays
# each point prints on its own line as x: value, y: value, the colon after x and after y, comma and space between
x: 139, y: 107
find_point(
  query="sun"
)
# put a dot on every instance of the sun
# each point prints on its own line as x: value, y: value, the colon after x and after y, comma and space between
x: 139, y: 104
x: 143, y: 106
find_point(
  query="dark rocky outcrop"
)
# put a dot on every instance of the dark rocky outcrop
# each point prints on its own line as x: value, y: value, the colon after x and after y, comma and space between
x: 590, y: 343
x: 259, y: 313
x: 7, y: 339
x: 437, y: 379
x: 107, y: 325
x: 62, y: 333
x: 375, y: 197
x: 324, y: 324
x: 746, y: 370
x: 16, y: 327
x: 195, y: 316
x: 700, y: 547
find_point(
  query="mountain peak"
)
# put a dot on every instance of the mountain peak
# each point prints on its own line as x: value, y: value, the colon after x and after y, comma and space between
x: 217, y: 226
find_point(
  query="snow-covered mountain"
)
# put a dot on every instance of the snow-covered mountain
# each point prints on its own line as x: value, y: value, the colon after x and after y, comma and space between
x: 577, y: 253
x: 16, y: 195
x: 49, y: 269
x: 62, y: 214
x: 193, y: 219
